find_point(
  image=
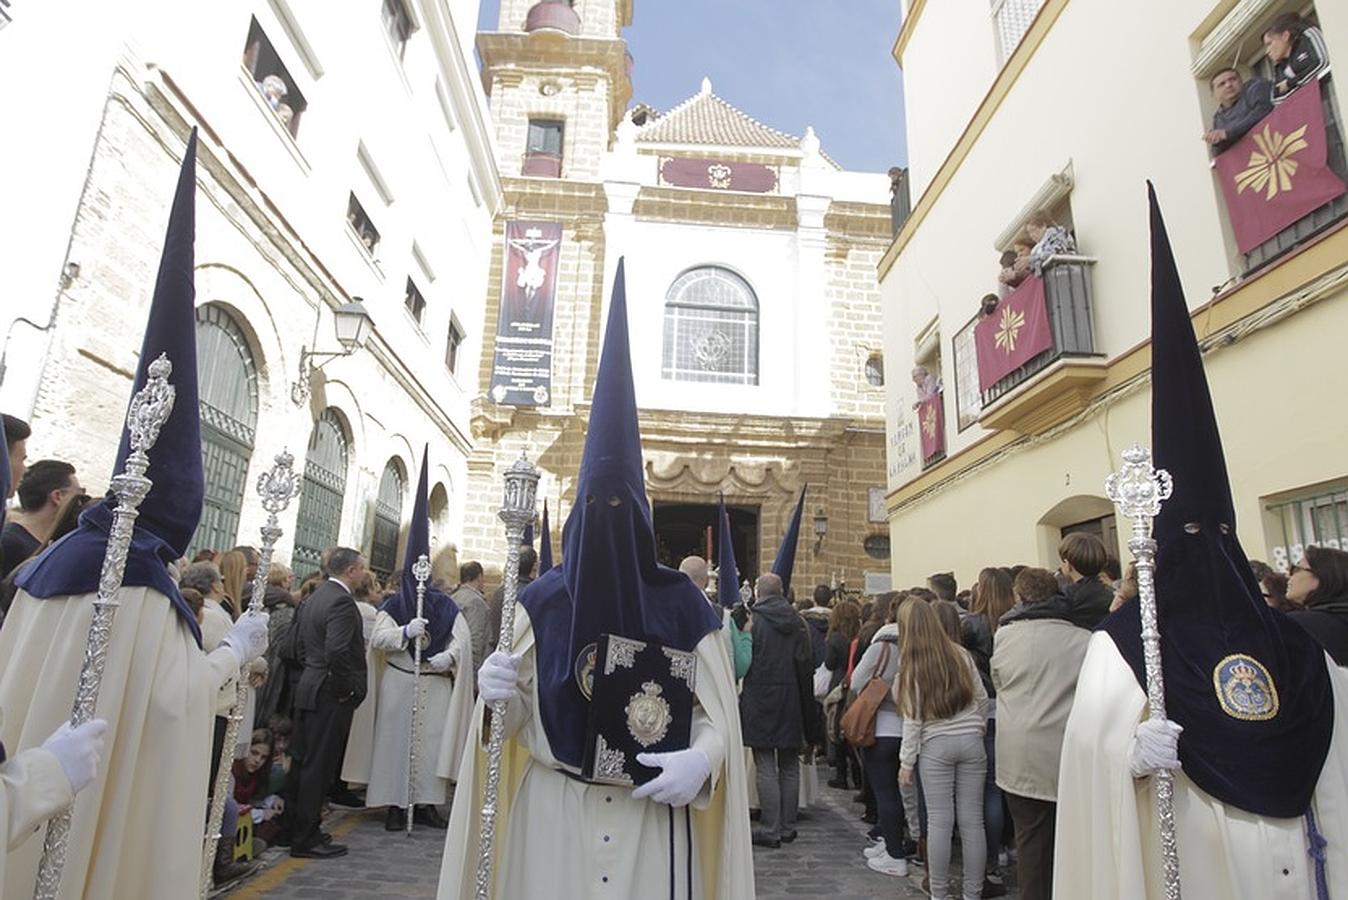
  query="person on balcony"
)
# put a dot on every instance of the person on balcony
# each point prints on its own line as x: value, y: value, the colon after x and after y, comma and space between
x: 1050, y: 239
x: 1298, y: 53
x: 928, y: 384
x: 1240, y: 106
x: 1015, y: 264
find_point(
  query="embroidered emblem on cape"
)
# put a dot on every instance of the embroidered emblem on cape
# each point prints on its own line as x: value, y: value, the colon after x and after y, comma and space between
x: 1245, y: 689
x: 584, y: 668
x: 648, y: 715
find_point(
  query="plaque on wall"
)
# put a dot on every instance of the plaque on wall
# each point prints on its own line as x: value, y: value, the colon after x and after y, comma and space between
x: 875, y: 511
x: 718, y: 175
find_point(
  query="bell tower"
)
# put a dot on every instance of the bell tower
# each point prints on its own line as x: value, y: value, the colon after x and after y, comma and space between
x: 559, y: 78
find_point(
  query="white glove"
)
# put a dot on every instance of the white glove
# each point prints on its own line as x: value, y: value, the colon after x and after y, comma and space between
x: 442, y: 661
x: 78, y: 750
x: 498, y: 679
x: 414, y: 629
x: 1155, y: 747
x: 248, y: 637
x: 682, y: 776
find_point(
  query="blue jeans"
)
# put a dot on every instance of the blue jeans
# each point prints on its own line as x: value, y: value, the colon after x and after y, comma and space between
x: 882, y: 771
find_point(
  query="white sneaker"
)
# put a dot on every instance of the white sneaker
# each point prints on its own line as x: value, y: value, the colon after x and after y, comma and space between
x: 875, y: 849
x: 888, y: 865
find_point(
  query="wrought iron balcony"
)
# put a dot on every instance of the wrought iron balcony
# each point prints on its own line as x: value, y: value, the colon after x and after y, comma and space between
x: 542, y: 165
x: 1067, y: 293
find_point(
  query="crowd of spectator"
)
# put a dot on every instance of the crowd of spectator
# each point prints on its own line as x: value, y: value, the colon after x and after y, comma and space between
x: 945, y: 709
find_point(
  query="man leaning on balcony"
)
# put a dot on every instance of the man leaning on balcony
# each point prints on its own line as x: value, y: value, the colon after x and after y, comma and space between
x: 1241, y: 104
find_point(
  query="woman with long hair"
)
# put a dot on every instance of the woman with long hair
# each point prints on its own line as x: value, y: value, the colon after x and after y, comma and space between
x: 1318, y: 588
x: 993, y: 597
x: 234, y: 568
x: 941, y: 699
x: 880, y: 761
x: 843, y: 625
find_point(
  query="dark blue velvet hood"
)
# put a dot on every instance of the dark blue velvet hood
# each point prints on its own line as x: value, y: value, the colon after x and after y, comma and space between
x: 437, y: 608
x: 608, y: 581
x: 170, y: 512
x: 1248, y: 685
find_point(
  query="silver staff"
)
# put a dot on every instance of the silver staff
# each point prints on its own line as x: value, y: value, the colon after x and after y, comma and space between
x: 277, y: 486
x: 421, y: 570
x: 1138, y: 490
x: 150, y: 409
x: 521, y: 491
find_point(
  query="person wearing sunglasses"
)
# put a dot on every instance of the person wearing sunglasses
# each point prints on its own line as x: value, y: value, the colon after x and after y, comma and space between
x: 1318, y: 587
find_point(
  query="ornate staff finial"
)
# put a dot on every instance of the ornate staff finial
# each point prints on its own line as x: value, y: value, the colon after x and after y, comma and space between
x: 149, y: 410
x: 277, y: 487
x: 1138, y: 490
x: 517, y: 510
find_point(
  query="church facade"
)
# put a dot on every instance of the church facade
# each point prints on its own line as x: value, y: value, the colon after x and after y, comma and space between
x: 753, y: 302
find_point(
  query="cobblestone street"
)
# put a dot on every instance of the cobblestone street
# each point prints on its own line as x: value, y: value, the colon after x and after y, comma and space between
x: 825, y: 861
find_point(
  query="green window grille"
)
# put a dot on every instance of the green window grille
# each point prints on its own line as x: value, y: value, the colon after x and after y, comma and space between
x: 227, y: 384
x: 320, y: 514
x: 388, y: 509
x: 1319, y: 520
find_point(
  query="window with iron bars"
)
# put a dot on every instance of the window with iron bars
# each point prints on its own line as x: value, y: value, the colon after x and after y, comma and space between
x: 1319, y: 520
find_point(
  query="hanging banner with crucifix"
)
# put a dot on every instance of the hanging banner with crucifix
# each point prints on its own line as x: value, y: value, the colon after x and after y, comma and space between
x: 522, y: 365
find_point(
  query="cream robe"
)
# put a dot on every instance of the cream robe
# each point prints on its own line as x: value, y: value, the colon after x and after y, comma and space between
x: 360, y: 738
x: 447, y: 706
x: 1108, y: 844
x: 560, y: 838
x: 33, y: 788
x: 138, y: 828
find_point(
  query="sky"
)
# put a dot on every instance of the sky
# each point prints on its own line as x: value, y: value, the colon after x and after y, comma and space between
x: 787, y: 63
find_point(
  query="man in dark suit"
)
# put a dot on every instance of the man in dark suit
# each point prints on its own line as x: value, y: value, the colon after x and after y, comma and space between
x: 331, y: 646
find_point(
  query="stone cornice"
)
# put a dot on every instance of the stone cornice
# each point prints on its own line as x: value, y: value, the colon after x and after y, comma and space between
x: 547, y: 53
x: 662, y: 204
x: 554, y: 199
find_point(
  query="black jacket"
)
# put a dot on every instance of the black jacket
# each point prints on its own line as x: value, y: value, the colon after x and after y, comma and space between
x: 835, y: 657
x: 1327, y: 622
x: 777, y: 700
x: 331, y: 645
x: 1088, y: 602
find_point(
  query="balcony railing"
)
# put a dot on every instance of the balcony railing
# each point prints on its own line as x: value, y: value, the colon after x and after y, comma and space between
x: 543, y: 165
x: 1067, y: 296
x: 1319, y: 219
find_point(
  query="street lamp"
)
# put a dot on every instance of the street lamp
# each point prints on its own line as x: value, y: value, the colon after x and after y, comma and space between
x: 353, y: 325
x: 820, y: 528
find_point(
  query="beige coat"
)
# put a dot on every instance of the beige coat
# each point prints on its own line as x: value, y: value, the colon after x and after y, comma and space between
x: 1034, y: 669
x: 1108, y: 845
x: 360, y: 738
x: 138, y: 828
x: 446, y: 708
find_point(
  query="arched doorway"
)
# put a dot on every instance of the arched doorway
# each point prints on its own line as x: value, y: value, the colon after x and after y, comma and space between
x: 388, y: 511
x: 320, y: 514
x: 227, y: 386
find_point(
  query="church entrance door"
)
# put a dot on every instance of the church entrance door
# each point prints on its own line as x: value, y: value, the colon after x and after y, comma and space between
x: 682, y: 529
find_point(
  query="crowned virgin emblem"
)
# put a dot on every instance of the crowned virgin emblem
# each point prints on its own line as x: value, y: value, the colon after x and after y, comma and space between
x: 1244, y: 688
x: 584, y: 669
x: 648, y: 715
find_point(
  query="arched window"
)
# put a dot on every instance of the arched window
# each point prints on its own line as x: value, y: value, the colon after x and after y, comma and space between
x: 711, y: 328
x: 875, y: 370
x: 227, y: 386
x: 388, y: 512
x: 320, y: 514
